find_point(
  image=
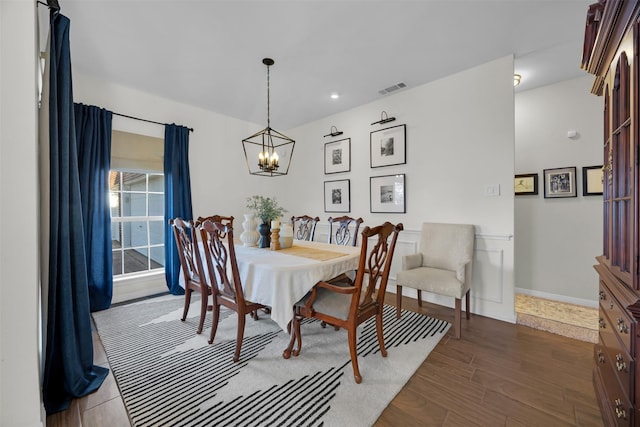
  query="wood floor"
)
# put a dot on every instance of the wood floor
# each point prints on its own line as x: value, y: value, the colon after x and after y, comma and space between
x: 497, y: 374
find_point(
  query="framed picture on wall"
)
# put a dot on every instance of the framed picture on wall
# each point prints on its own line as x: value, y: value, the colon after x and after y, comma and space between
x: 592, y: 180
x: 337, y: 196
x: 387, y: 194
x: 526, y: 184
x: 388, y: 146
x: 560, y: 182
x: 337, y: 156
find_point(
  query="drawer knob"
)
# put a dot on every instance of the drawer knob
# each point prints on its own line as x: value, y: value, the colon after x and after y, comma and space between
x: 621, y: 325
x: 620, y: 363
x: 620, y: 412
x: 611, y: 305
x: 603, y: 296
x: 600, y: 356
x: 601, y: 323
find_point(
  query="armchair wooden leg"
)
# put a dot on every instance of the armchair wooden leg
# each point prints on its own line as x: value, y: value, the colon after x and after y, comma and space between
x: 467, y: 304
x: 458, y: 314
x: 354, y: 354
x: 419, y: 298
x: 398, y: 301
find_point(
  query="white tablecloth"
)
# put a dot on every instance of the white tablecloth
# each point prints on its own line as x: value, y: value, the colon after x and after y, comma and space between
x: 279, y: 280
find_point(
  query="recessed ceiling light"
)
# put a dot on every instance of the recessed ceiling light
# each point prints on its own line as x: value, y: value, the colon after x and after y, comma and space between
x: 334, y: 95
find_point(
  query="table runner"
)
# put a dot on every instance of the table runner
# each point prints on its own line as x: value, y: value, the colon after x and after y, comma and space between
x: 311, y: 253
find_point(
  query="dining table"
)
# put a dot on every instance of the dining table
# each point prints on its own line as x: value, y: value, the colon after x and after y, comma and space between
x: 280, y: 278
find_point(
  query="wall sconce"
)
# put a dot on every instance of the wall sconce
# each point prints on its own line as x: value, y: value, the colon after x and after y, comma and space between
x: 516, y: 79
x: 334, y: 132
x: 383, y: 119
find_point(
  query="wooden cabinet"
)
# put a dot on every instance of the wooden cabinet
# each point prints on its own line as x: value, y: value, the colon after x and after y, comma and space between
x: 611, y: 46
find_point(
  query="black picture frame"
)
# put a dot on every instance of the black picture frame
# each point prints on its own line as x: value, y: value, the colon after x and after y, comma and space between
x: 388, y: 146
x: 560, y: 183
x: 337, y: 156
x: 387, y: 194
x: 337, y: 195
x: 592, y: 180
x: 525, y: 184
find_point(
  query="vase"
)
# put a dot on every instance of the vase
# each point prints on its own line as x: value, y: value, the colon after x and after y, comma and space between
x: 249, y: 235
x: 286, y: 236
x: 265, y: 230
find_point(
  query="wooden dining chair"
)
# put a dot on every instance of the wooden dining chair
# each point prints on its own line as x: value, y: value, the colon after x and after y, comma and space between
x: 306, y: 227
x: 347, y: 303
x: 343, y: 230
x: 226, y: 287
x: 225, y: 220
x: 192, y: 269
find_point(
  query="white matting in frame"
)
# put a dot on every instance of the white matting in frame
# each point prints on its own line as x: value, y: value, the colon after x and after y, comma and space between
x: 337, y: 156
x: 388, y: 194
x: 337, y: 197
x: 388, y: 146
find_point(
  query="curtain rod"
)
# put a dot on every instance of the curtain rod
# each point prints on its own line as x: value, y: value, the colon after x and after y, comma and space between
x: 51, y: 4
x: 144, y: 120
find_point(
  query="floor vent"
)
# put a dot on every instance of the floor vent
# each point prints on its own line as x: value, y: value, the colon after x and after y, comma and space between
x: 393, y: 88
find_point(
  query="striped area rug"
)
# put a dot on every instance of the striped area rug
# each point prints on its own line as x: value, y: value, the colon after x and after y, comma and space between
x: 169, y: 376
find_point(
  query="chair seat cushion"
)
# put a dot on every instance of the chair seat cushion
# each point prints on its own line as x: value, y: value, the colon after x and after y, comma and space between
x: 443, y: 282
x: 329, y: 303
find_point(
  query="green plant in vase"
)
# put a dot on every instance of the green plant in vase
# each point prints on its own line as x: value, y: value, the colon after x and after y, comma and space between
x: 267, y: 209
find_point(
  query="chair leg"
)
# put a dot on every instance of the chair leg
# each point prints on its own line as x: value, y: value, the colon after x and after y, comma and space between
x: 294, y: 327
x: 187, y: 302
x: 419, y: 298
x: 240, y: 335
x: 383, y: 350
x: 215, y: 317
x: 398, y: 301
x: 458, y: 316
x: 467, y: 303
x: 354, y: 354
x: 204, y: 302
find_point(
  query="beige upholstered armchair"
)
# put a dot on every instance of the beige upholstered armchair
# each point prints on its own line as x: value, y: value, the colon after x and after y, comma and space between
x: 442, y: 266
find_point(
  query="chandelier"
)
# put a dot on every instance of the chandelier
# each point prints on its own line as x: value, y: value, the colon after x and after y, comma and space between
x: 268, y: 152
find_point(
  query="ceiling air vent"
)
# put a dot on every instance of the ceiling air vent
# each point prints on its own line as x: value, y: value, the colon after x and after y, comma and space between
x: 393, y: 88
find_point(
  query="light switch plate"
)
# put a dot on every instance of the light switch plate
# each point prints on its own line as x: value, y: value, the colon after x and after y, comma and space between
x: 492, y: 190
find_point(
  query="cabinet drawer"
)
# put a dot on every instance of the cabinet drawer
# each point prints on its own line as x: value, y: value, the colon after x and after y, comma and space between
x: 620, y: 405
x: 618, y: 321
x: 616, y: 355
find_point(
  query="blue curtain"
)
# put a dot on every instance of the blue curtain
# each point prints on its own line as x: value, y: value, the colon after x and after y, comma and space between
x: 177, y: 197
x: 68, y: 369
x: 93, y: 138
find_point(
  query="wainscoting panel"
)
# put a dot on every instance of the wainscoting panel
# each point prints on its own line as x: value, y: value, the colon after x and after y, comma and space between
x: 492, y: 292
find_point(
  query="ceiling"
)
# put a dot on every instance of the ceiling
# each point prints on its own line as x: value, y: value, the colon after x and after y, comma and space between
x: 209, y: 53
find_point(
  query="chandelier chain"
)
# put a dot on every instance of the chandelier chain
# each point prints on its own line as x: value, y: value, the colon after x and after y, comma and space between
x: 268, y: 101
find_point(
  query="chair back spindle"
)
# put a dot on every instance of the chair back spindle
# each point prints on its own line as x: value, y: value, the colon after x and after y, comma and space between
x: 343, y: 230
x: 306, y: 227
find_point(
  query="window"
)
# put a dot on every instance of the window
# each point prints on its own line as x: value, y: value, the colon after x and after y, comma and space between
x: 137, y: 221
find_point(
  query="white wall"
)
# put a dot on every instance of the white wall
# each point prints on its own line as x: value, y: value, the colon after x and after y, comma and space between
x: 459, y: 140
x: 557, y: 240
x: 20, y: 402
